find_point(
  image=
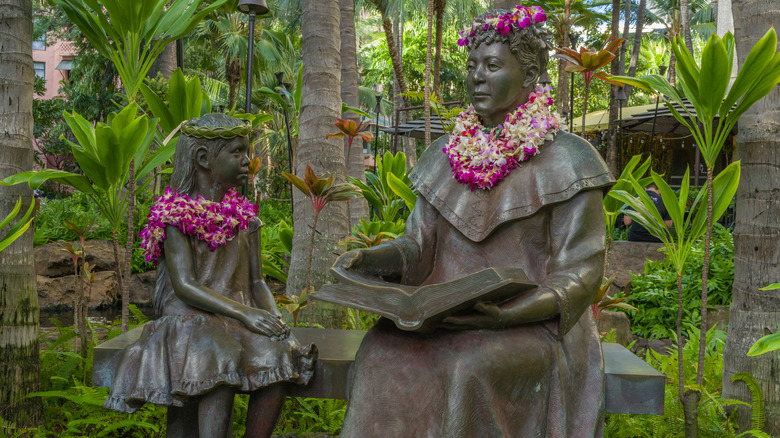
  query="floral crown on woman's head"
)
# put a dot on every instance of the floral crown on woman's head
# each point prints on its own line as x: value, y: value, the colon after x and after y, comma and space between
x: 521, y: 17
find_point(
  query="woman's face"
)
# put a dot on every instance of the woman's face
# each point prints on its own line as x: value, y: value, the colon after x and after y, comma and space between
x: 496, y: 82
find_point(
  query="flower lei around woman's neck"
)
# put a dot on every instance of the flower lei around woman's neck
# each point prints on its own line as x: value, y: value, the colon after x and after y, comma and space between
x: 481, y: 157
x: 216, y: 223
x: 520, y: 17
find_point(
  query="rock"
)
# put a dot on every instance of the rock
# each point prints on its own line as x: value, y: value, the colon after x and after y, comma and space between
x: 661, y: 345
x: 609, y: 320
x: 52, y: 260
x: 62, y: 292
x: 626, y: 257
x: 142, y: 288
x: 718, y: 314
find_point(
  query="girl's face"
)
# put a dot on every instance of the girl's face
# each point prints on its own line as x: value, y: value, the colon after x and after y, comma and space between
x: 231, y: 166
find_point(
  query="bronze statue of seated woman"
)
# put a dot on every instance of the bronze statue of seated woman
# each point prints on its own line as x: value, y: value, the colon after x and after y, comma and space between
x: 508, y: 189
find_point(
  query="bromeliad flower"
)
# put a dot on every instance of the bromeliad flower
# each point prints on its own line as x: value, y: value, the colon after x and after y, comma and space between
x: 320, y: 191
x: 587, y: 61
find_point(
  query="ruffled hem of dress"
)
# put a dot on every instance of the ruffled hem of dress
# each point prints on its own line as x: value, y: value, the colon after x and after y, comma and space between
x: 261, y: 379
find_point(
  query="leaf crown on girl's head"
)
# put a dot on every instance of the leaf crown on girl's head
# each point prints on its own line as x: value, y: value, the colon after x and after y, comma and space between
x: 520, y: 17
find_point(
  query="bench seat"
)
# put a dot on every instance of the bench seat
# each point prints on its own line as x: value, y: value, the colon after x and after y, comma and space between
x: 632, y: 386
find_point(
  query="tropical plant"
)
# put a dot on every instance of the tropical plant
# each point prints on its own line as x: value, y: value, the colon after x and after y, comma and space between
x: 613, y: 206
x: 19, y: 227
x: 769, y: 342
x: 350, y: 129
x: 387, y: 190
x: 321, y: 192
x: 587, y: 61
x: 706, y: 88
x: 104, y: 153
x: 133, y: 34
x: 603, y: 301
x: 678, y: 248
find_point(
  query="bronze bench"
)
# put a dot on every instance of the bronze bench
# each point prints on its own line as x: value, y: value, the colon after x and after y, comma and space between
x: 632, y: 386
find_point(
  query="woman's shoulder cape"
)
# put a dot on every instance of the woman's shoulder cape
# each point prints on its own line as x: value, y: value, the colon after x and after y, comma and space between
x: 563, y: 168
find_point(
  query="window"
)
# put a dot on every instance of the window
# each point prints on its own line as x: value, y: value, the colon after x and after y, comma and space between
x: 39, y: 43
x: 40, y: 69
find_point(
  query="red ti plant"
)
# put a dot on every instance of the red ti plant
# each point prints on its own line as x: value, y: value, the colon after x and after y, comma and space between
x: 320, y: 191
x: 587, y: 61
x: 351, y: 129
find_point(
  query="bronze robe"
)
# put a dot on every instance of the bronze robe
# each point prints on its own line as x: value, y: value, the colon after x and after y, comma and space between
x: 536, y: 380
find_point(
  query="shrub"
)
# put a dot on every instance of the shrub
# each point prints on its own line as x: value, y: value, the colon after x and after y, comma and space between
x: 654, y: 293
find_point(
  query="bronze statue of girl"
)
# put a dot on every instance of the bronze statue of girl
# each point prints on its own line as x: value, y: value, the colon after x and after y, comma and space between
x: 219, y: 331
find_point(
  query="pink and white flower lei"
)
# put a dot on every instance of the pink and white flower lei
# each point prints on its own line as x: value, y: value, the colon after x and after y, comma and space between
x: 481, y: 157
x: 217, y: 223
x: 520, y: 17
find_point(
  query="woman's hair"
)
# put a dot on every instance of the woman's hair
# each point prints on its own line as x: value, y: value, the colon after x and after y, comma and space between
x: 213, y: 131
x: 529, y: 45
x: 184, y: 161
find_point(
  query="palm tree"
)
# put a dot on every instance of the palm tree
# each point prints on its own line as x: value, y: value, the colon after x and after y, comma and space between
x: 19, y: 361
x: 755, y: 313
x: 356, y: 208
x: 320, y: 107
x: 228, y: 33
x: 674, y: 22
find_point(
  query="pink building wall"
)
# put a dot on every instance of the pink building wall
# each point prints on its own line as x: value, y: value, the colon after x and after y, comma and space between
x: 54, y: 54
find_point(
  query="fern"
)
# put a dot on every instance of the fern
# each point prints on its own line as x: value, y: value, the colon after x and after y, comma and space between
x: 126, y: 424
x: 757, y: 416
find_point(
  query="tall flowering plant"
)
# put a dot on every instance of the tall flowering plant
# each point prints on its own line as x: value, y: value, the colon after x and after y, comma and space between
x: 587, y: 62
x: 320, y: 191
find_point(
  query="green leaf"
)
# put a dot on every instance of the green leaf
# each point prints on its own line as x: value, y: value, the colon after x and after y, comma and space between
x: 159, y: 109
x: 765, y: 345
x: 752, y: 69
x: 402, y: 190
x: 670, y: 200
x: 724, y: 187
x: 162, y: 155
x: 773, y: 286
x: 298, y: 183
x: 716, y: 71
x: 686, y: 66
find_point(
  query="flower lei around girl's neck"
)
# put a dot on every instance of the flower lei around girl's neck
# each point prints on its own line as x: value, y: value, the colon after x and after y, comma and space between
x: 216, y: 223
x: 481, y: 157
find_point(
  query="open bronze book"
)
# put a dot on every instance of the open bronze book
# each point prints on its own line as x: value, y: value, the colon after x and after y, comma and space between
x: 411, y: 307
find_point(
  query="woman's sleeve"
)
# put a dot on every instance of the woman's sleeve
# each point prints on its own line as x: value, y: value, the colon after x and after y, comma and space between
x: 576, y: 265
x: 418, y: 243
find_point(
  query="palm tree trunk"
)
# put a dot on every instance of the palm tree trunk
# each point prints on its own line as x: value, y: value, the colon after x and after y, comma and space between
x: 686, y: 24
x: 356, y: 208
x: 427, y: 97
x: 395, y: 57
x: 562, y: 40
x: 439, y: 6
x: 320, y: 107
x: 613, y: 107
x: 640, y: 17
x: 19, y: 350
x: 755, y: 313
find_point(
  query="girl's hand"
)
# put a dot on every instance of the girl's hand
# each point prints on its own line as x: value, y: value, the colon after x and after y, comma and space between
x: 264, y: 322
x: 489, y: 317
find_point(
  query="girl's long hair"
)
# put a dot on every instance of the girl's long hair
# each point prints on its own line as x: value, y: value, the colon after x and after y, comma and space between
x: 184, y: 180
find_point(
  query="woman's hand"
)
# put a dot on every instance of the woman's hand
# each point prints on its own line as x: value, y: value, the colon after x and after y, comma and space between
x: 265, y: 323
x: 536, y: 305
x: 489, y: 317
x: 380, y: 260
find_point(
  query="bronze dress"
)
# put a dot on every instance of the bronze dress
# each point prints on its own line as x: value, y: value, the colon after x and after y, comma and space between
x: 187, y: 351
x: 536, y: 380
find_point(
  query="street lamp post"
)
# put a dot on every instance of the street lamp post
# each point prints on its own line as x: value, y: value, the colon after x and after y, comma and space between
x: 253, y: 8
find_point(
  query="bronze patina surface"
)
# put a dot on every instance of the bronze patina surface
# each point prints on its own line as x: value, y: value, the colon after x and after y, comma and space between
x: 530, y: 366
